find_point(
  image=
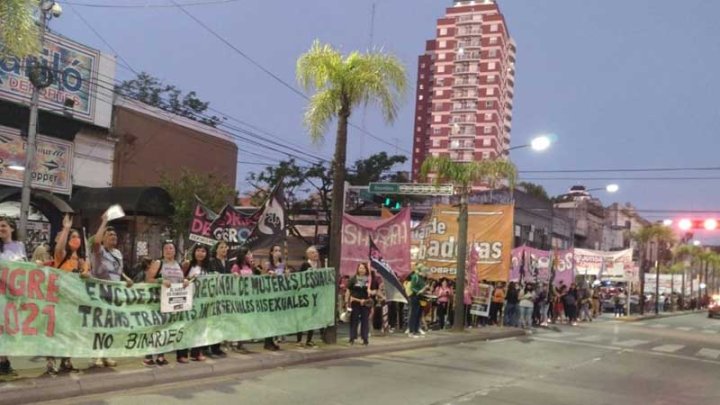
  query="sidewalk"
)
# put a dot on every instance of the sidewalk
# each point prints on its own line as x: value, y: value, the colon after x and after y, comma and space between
x: 33, y: 385
x: 636, y: 318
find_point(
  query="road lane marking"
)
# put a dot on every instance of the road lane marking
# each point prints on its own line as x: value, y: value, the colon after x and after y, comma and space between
x: 709, y: 353
x: 638, y: 323
x: 710, y: 331
x: 590, y: 338
x: 630, y: 343
x: 659, y: 326
x: 685, y: 328
x: 667, y: 348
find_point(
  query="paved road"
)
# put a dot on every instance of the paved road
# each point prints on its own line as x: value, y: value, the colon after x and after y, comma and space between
x: 665, y: 361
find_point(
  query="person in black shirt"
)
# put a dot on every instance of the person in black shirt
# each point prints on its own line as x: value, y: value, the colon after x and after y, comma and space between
x: 219, y: 264
x: 358, y: 300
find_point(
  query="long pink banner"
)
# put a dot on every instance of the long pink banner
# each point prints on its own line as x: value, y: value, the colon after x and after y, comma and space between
x: 537, y: 265
x: 391, y: 235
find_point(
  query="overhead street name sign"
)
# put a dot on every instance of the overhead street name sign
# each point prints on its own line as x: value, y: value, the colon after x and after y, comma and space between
x: 411, y: 189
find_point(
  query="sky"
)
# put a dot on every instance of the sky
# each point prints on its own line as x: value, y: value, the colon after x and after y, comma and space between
x: 623, y: 85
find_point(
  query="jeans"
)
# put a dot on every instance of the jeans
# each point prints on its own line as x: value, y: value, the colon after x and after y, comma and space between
x: 544, y: 312
x: 620, y: 309
x: 511, y: 314
x: 415, y: 314
x: 359, y: 316
x: 526, y: 317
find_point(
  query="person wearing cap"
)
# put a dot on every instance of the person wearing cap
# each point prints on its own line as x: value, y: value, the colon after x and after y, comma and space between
x: 417, y: 287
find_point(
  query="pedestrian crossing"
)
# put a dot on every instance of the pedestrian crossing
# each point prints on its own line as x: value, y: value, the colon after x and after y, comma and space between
x: 642, y: 345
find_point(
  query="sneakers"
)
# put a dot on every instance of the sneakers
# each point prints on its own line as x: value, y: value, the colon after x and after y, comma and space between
x: 148, y: 362
x: 199, y: 357
x: 183, y: 360
x: 66, y: 366
x: 310, y: 344
x: 162, y: 361
x: 50, y: 368
x: 422, y: 332
x: 109, y: 362
x: 98, y: 363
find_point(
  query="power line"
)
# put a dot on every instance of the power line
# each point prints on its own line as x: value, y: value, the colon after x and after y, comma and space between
x: 267, y: 71
x: 188, y: 4
x: 616, y: 178
x: 656, y: 169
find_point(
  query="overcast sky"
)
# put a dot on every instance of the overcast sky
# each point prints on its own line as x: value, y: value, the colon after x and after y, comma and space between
x: 629, y: 84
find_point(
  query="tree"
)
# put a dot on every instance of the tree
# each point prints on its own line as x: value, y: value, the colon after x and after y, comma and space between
x: 376, y: 168
x: 19, y: 34
x: 535, y: 190
x: 340, y: 84
x: 654, y: 233
x: 150, y: 90
x: 183, y: 189
x: 463, y: 175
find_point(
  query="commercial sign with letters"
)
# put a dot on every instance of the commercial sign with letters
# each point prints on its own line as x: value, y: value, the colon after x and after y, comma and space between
x: 80, y: 74
x: 52, y: 169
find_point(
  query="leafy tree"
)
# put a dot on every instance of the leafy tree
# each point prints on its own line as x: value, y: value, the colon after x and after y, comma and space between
x: 376, y: 168
x: 19, y: 34
x: 654, y: 233
x: 340, y: 84
x: 150, y: 90
x: 184, y: 186
x: 463, y: 175
x: 535, y: 190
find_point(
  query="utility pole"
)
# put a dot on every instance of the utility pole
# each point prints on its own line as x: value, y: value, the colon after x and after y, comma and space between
x: 40, y: 77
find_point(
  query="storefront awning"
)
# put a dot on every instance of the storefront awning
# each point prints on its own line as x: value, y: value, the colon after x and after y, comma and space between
x: 140, y: 201
x: 13, y: 193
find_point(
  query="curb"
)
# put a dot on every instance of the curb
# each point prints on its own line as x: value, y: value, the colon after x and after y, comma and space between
x: 47, y: 389
x: 660, y: 316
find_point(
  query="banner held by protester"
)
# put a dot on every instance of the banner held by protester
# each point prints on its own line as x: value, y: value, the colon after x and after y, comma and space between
x: 394, y: 290
x: 54, y: 313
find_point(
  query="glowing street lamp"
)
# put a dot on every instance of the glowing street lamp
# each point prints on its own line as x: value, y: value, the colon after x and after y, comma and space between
x: 538, y: 144
x: 685, y: 224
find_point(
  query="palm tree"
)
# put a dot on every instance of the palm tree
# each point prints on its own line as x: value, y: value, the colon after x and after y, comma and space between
x: 340, y: 84
x: 675, y: 268
x: 19, y: 33
x: 463, y: 175
x: 691, y: 254
x: 654, y: 233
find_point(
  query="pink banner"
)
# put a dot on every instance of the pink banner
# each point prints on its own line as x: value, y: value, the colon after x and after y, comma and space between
x: 537, y: 265
x: 391, y: 235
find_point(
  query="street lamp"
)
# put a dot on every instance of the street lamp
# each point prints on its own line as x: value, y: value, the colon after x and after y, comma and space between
x: 610, y: 188
x: 538, y: 144
x: 40, y: 78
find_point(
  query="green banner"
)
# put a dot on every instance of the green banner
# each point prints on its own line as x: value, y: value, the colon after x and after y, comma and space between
x: 46, y: 312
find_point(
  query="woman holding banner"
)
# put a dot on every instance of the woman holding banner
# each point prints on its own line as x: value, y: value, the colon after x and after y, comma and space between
x: 312, y: 261
x: 69, y: 257
x: 14, y: 251
x: 198, y: 266
x: 167, y: 271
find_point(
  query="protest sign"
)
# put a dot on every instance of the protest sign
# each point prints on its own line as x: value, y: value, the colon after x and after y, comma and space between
x: 603, y: 265
x: 51, y: 313
x: 202, y: 219
x: 176, y: 298
x: 483, y: 299
x: 489, y: 232
x: 537, y: 265
x: 392, y: 237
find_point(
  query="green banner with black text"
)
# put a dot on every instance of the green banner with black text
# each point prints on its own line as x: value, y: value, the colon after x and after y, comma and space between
x: 45, y: 312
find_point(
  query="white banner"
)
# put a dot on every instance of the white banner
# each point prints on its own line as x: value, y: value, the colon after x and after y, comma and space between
x: 176, y: 298
x: 607, y: 265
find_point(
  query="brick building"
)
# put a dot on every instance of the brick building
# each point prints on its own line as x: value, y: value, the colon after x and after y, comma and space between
x: 465, y: 87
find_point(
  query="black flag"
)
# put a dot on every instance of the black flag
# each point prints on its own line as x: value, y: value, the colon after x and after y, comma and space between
x: 270, y: 228
x: 393, y: 289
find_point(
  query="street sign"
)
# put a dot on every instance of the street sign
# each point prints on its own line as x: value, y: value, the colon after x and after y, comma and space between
x: 411, y: 189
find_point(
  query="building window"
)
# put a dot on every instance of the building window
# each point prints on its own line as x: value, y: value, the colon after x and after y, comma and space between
x: 436, y: 131
x: 440, y: 82
x: 438, y: 92
x: 488, y: 104
x: 443, y: 31
x: 436, y: 143
x: 493, y: 40
x: 492, y: 53
x: 487, y: 130
x: 443, y: 44
x: 491, y: 79
x: 441, y: 69
x: 494, y: 28
x: 422, y: 76
x: 437, y: 118
x: 490, y: 91
x: 420, y: 97
x: 488, y: 116
x: 421, y: 87
x: 422, y: 66
x: 491, y: 66
x: 486, y: 155
x: 441, y: 56
x: 486, y: 141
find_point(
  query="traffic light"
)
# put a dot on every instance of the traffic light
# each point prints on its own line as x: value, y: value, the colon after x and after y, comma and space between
x: 686, y: 224
x: 387, y: 201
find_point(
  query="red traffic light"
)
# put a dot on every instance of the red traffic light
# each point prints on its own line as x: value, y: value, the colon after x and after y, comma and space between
x: 709, y: 224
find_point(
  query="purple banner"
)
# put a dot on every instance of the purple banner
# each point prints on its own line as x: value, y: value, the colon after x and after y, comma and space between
x: 537, y: 265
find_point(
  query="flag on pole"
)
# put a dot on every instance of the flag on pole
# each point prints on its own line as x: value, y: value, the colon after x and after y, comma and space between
x: 522, y: 266
x: 394, y: 291
x: 551, y: 282
x: 271, y: 226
